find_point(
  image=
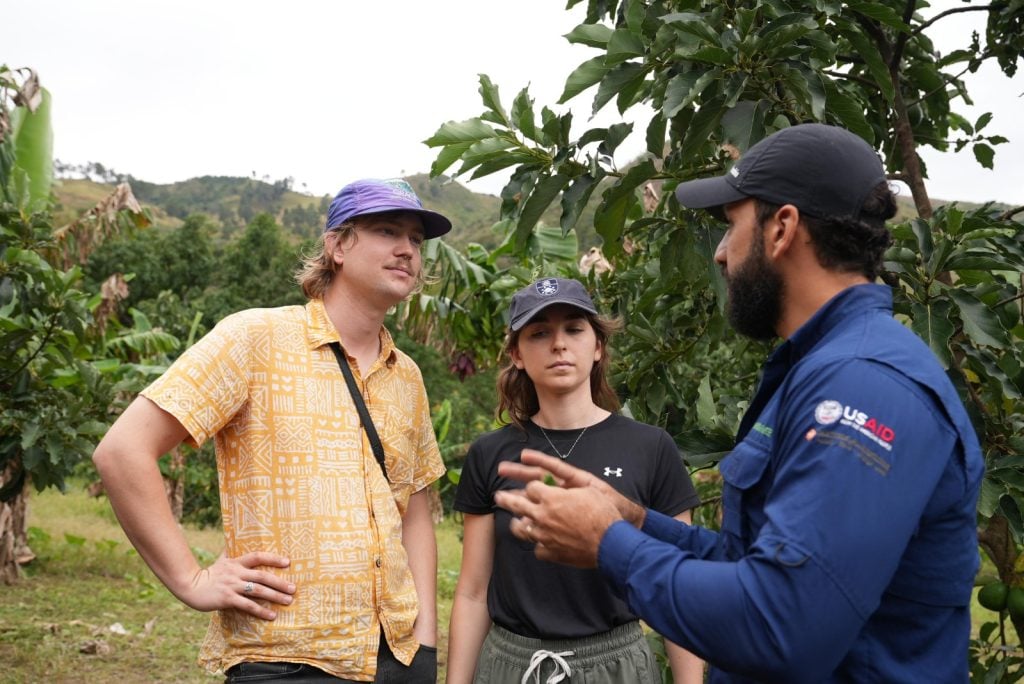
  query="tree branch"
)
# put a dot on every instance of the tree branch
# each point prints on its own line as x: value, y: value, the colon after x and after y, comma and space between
x: 1010, y: 213
x: 901, y: 40
x: 940, y: 15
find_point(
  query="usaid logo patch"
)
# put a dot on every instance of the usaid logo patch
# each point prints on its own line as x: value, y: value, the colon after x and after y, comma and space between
x: 828, y: 412
x: 547, y: 288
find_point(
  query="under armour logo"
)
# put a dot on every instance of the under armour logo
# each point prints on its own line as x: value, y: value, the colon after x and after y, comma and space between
x: 617, y: 472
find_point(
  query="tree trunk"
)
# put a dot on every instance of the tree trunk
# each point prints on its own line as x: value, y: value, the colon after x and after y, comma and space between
x: 14, y: 549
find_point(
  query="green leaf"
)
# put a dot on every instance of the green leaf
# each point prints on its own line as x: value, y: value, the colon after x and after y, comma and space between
x: 470, y: 130
x: 743, y: 125
x: 619, y: 78
x: 593, y: 35
x: 33, y: 149
x: 616, y: 134
x: 704, y: 122
x: 623, y: 45
x: 491, y: 98
x: 971, y: 261
x: 879, y: 12
x: 988, y: 502
x: 931, y: 323
x: 980, y: 323
x: 868, y: 51
x: 583, y: 77
x: 713, y: 54
x: 846, y: 110
x: 610, y: 216
x: 446, y: 157
x: 706, y: 412
x: 555, y: 245
x: 923, y: 232
x: 694, y: 24
x: 575, y: 199
x: 656, y: 135
x: 543, y: 194
x: 984, y: 154
x: 522, y: 115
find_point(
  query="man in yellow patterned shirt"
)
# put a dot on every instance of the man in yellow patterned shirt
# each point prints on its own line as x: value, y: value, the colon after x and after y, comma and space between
x: 329, y: 568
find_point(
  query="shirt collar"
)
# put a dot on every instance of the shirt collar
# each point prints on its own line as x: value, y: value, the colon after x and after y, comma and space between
x: 320, y: 331
x: 850, y: 301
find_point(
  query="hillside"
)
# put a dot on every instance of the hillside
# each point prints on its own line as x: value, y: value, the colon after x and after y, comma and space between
x: 231, y: 202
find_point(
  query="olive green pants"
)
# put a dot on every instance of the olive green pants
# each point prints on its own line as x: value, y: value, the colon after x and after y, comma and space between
x: 619, y: 656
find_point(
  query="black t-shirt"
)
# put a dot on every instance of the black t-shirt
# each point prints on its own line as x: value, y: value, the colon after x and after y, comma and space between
x: 545, y: 600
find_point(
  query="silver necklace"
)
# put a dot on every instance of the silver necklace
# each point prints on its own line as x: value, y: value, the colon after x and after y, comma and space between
x: 560, y: 454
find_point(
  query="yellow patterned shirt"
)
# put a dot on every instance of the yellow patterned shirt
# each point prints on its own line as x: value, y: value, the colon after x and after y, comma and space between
x: 298, y: 478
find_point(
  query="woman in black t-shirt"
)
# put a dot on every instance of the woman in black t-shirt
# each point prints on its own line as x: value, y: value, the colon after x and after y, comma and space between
x: 516, y: 618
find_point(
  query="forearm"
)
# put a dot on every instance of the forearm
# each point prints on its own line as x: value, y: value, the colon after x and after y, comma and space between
x: 686, y: 667
x: 126, y: 460
x: 421, y: 549
x: 774, y: 615
x: 468, y: 629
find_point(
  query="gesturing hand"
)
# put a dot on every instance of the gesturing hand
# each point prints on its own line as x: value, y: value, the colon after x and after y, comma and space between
x: 236, y: 583
x: 538, y: 466
x: 565, y: 522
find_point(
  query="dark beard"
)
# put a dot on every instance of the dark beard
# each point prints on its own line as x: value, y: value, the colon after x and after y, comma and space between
x: 755, y: 295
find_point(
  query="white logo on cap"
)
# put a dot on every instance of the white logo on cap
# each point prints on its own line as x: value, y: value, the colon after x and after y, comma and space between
x: 402, y: 189
x: 548, y: 287
x: 828, y: 412
x: 734, y: 171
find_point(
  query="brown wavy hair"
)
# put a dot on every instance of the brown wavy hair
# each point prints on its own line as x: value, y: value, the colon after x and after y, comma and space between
x: 517, y: 395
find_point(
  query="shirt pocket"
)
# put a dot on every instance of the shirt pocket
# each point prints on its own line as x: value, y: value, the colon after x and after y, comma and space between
x: 742, y: 470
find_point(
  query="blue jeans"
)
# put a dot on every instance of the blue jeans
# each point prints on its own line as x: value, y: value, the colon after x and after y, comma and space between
x: 422, y: 670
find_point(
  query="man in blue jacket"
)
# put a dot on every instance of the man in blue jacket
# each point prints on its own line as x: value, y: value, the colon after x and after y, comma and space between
x: 848, y: 546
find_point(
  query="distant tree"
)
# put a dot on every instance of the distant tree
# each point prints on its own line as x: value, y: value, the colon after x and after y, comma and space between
x: 256, y: 270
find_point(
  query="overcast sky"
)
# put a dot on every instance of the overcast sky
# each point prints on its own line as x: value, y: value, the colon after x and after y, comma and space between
x: 327, y: 92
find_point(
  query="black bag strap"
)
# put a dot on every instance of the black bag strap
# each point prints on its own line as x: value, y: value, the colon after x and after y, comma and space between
x: 364, y: 414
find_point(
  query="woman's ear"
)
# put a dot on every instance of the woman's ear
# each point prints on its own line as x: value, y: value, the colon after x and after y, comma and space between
x: 517, y: 360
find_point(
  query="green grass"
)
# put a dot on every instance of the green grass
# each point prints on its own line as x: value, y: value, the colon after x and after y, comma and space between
x: 55, y: 624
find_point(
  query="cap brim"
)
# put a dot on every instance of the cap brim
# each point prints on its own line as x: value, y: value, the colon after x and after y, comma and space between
x: 528, y: 316
x: 707, y: 193
x: 434, y: 224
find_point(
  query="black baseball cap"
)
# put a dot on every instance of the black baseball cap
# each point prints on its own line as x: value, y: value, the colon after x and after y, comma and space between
x: 825, y: 171
x: 537, y: 296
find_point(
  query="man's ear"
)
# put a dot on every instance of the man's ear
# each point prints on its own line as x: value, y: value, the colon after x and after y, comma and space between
x: 337, y: 245
x: 782, y: 231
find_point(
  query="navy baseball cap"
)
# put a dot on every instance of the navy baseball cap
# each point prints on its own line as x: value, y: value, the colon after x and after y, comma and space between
x: 373, y: 196
x: 535, y: 297
x: 825, y: 171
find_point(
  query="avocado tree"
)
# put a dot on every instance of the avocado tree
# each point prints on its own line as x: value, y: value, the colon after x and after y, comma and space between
x: 58, y: 377
x: 718, y: 77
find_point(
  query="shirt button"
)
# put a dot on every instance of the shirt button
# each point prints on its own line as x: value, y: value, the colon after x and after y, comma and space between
x: 377, y: 562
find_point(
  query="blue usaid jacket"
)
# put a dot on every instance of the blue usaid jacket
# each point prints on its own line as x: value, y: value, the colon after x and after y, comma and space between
x: 848, y: 545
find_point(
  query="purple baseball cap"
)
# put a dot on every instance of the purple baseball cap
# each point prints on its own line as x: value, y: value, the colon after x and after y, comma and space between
x: 373, y: 196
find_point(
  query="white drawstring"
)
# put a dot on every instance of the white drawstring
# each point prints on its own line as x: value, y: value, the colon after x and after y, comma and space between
x: 562, y: 669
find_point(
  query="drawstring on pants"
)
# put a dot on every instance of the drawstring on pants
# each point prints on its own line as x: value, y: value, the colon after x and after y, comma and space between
x: 562, y: 669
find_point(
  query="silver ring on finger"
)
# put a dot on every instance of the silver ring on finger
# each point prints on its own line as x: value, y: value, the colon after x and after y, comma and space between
x: 249, y: 587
